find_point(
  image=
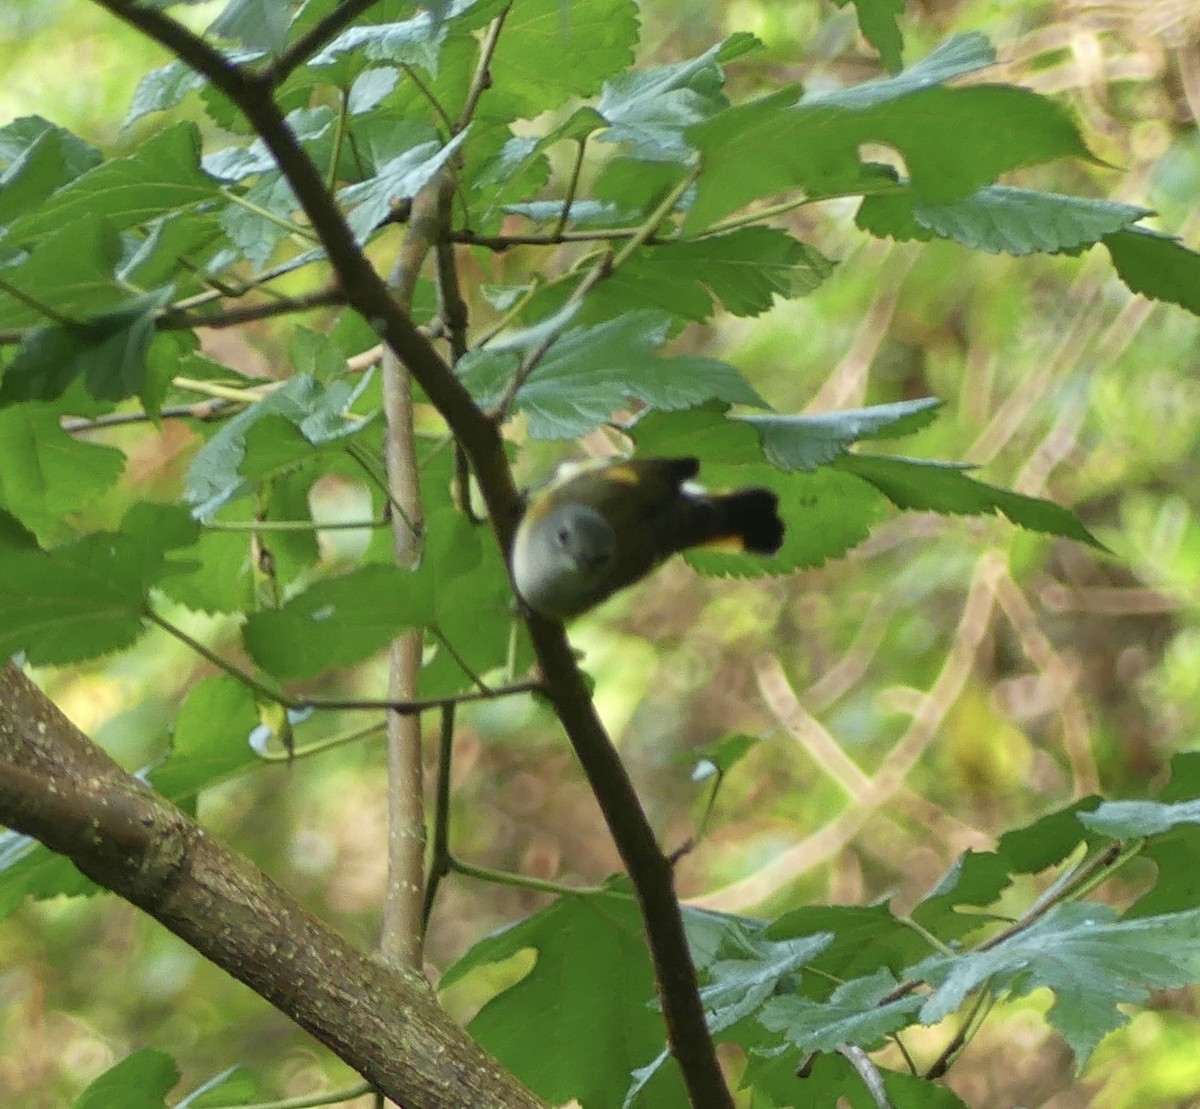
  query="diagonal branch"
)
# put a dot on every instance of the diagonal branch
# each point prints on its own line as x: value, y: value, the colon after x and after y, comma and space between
x: 57, y: 786
x: 482, y: 442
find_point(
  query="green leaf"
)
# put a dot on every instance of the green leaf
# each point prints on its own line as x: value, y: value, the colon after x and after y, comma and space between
x: 257, y: 24
x: 671, y: 434
x: 1090, y: 960
x: 941, y: 487
x: 163, y: 176
x: 877, y: 21
x: 219, y: 577
x: 46, y: 473
x: 29, y: 869
x: 234, y: 1086
x: 745, y: 269
x: 591, y: 984
x: 948, y: 138
x: 1157, y: 266
x: 70, y: 272
x: 38, y: 158
x: 591, y: 372
x: 866, y: 939
x: 139, y: 1081
x: 806, y: 442
x: 466, y: 577
x: 87, y: 598
x: 1174, y: 852
x: 856, y: 1013
x: 318, y: 412
x: 749, y: 967
x: 999, y: 219
x: 108, y: 351
x: 649, y: 109
x: 598, y: 36
x: 825, y: 513
x: 368, y: 203
x: 977, y: 878
x: 337, y: 622
x: 210, y: 741
x: 261, y: 218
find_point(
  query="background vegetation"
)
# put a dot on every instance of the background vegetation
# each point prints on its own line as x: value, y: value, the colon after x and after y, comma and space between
x: 949, y: 679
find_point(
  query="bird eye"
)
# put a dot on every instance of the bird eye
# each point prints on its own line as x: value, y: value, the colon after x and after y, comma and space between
x: 564, y: 536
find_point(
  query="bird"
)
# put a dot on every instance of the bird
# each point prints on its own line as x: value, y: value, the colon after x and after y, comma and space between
x: 598, y: 526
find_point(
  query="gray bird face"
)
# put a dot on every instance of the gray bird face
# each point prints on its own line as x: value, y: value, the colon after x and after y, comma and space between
x: 562, y: 562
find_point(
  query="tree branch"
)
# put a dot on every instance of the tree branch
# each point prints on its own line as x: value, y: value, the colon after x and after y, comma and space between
x: 481, y: 440
x: 385, y: 1022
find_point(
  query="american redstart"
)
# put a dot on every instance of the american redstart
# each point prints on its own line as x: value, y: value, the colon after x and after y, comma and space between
x: 597, y: 527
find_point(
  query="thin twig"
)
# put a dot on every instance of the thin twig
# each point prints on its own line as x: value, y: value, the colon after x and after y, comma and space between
x: 205, y: 410
x: 323, y: 31
x: 440, y: 862
x: 172, y: 319
x: 868, y: 1072
x: 607, y: 264
x: 483, y: 70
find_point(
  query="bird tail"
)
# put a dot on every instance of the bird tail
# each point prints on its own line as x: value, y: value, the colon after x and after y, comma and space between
x: 750, y: 519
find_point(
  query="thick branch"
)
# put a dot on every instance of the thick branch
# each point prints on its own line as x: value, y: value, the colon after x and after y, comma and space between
x: 384, y: 1022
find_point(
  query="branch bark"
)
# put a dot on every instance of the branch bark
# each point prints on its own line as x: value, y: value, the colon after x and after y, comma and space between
x: 384, y: 1021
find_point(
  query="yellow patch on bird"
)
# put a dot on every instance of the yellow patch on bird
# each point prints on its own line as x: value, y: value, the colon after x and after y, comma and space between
x: 729, y: 544
x: 626, y: 475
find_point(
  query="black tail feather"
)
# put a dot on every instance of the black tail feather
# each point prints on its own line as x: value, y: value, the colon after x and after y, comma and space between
x: 753, y: 516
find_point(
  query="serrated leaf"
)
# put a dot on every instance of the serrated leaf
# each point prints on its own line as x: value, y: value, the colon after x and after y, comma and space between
x: 977, y: 878
x: 70, y: 272
x: 1156, y: 266
x: 866, y: 939
x: 598, y: 36
x: 464, y: 574
x: 940, y: 487
x: 1089, y: 959
x: 163, y: 176
x: 317, y: 411
x: 949, y: 138
x: 412, y: 41
x: 749, y: 968
x: 46, y: 473
x: 37, y: 159
x: 591, y: 372
x: 87, y: 598
x: 855, y: 1013
x: 745, y: 269
x: 139, y: 1081
x: 108, y: 351
x: 649, y: 109
x: 806, y: 442
x: 999, y: 219
x: 337, y: 622
x: 369, y: 202
x: 591, y: 984
x: 824, y: 514
x: 671, y: 434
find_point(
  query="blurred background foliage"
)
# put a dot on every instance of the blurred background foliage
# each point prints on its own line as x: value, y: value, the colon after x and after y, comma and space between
x: 948, y: 680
